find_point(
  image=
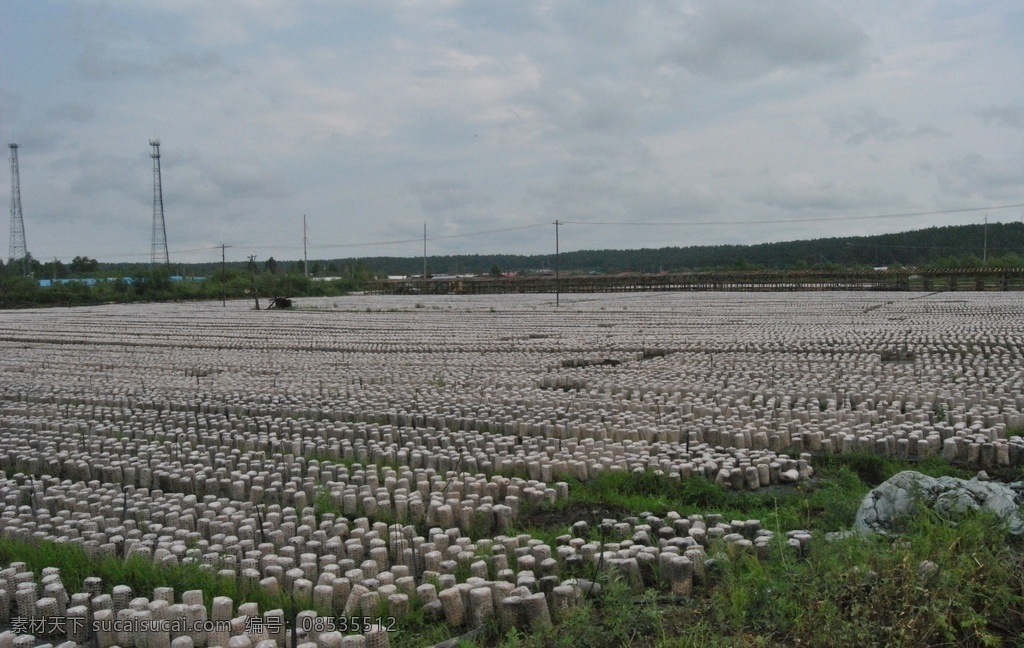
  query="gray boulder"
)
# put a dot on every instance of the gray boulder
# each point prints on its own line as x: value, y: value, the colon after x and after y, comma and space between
x: 950, y: 497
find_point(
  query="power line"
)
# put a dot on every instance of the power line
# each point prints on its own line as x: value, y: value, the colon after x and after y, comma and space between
x: 347, y: 245
x: 393, y: 242
x: 131, y: 256
x: 818, y: 219
x: 433, y: 238
x: 598, y: 223
x: 929, y: 247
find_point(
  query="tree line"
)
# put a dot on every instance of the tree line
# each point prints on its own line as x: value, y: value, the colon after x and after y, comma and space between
x: 953, y: 246
x: 85, y: 280
x: 91, y: 282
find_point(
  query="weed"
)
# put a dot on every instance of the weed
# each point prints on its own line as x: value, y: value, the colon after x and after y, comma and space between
x: 437, y: 380
x: 139, y: 573
x: 851, y: 591
x: 323, y: 503
x: 618, y: 618
x: 829, y: 502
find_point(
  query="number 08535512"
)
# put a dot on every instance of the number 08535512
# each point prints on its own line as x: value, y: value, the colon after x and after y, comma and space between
x: 347, y: 624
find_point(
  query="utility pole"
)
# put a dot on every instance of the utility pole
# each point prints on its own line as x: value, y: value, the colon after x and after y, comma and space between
x: 223, y: 276
x: 252, y: 270
x: 558, y: 284
x: 424, y: 253
x: 984, y: 249
x: 305, y: 258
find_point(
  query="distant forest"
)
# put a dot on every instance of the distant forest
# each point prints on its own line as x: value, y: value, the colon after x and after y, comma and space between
x: 85, y: 280
x: 952, y: 246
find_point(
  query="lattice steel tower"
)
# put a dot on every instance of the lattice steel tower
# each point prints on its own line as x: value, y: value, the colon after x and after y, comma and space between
x: 159, y: 249
x: 18, y: 252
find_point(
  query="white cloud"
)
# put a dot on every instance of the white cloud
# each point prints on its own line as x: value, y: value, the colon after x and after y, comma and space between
x: 372, y: 117
x: 751, y: 38
x: 1008, y: 116
x: 973, y: 174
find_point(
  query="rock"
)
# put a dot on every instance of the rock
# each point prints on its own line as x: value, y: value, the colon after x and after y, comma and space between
x: 588, y: 587
x: 884, y: 507
x: 926, y: 571
x: 575, y: 562
x: 790, y: 476
x: 433, y: 610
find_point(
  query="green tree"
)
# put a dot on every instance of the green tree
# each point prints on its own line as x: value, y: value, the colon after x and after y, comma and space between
x: 154, y: 285
x: 83, y: 264
x: 53, y: 270
x: 26, y: 265
x: 270, y: 265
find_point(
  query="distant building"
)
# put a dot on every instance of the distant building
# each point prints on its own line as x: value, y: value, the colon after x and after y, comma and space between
x: 92, y: 281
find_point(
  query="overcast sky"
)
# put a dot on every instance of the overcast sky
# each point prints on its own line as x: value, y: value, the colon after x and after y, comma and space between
x: 372, y: 117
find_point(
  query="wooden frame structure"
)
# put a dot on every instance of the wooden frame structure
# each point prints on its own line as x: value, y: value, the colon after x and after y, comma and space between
x: 931, y: 280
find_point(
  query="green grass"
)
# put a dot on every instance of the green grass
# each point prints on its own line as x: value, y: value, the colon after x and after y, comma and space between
x: 847, y: 592
x: 828, y: 502
x: 850, y: 591
x: 139, y: 573
x: 618, y: 618
x: 868, y: 591
x: 143, y: 576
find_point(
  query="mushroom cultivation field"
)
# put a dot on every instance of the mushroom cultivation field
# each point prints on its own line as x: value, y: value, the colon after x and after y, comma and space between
x: 361, y: 463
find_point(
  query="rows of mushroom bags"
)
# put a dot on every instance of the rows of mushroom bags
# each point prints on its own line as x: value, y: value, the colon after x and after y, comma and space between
x: 377, y: 455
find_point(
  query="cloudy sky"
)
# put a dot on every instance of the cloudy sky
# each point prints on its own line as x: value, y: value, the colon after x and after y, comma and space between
x: 639, y: 124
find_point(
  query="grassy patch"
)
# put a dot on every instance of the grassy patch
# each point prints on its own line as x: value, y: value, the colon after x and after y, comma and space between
x: 868, y: 591
x: 850, y: 591
x: 828, y: 502
x: 847, y: 592
x: 139, y: 573
x: 873, y: 469
x: 618, y: 618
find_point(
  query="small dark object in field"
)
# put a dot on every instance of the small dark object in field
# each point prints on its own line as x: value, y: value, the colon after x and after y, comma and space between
x: 588, y: 362
x: 649, y: 354
x: 897, y: 355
